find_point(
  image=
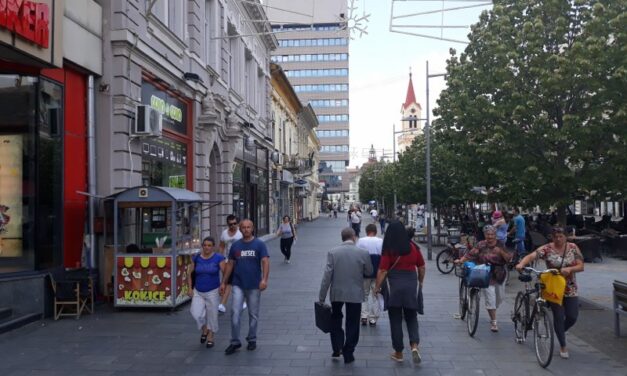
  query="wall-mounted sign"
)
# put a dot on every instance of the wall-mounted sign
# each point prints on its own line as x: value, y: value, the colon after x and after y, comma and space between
x: 174, y: 110
x: 28, y: 19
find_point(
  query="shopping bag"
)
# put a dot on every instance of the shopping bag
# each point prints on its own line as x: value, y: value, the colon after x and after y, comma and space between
x: 554, y: 287
x: 479, y: 276
x: 323, y: 316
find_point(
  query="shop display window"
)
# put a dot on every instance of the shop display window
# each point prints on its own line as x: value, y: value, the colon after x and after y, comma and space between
x: 31, y: 173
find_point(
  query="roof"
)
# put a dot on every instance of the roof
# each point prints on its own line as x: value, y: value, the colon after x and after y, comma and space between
x: 410, y: 98
x: 156, y: 194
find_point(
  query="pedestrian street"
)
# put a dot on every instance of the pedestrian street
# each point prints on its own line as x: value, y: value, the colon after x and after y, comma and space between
x: 163, y: 342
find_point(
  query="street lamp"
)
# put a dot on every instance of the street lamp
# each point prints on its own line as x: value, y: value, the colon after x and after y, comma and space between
x: 428, y: 152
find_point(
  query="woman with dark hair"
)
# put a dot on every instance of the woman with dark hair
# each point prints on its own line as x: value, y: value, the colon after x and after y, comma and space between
x: 288, y: 236
x: 403, y: 265
x: 204, y: 289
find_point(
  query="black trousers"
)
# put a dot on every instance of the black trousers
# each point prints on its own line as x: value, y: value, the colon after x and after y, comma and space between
x: 357, y: 228
x: 286, y: 247
x: 338, y: 341
x: 564, y: 317
x: 396, y: 316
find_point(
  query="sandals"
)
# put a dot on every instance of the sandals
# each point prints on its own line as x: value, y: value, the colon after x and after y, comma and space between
x: 493, y: 326
x: 209, y: 344
x: 203, y: 338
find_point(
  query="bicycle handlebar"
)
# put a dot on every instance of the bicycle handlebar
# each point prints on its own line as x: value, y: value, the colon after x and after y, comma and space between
x: 538, y: 272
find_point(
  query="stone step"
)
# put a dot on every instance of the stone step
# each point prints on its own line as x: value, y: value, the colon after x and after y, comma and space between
x: 12, y: 322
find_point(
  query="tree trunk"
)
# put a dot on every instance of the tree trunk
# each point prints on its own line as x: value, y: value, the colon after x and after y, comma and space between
x: 561, y: 215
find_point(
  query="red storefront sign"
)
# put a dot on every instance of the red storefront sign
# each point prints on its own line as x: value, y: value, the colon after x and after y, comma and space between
x: 28, y: 19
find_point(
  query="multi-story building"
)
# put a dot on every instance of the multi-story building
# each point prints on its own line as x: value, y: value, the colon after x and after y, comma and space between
x: 296, y: 156
x: 410, y: 118
x: 313, y: 51
x: 205, y: 66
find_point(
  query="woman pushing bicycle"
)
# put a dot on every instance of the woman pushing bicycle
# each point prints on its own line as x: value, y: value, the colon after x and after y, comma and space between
x: 567, y: 258
x: 490, y: 251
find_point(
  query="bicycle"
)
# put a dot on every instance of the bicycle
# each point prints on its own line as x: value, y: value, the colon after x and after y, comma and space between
x: 454, y: 250
x: 469, y: 300
x: 537, y: 317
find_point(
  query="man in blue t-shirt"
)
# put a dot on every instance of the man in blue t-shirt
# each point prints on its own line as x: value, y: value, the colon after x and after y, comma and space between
x: 250, y: 265
x: 519, y: 233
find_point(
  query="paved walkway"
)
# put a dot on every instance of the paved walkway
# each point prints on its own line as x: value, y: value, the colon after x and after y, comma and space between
x: 153, y: 342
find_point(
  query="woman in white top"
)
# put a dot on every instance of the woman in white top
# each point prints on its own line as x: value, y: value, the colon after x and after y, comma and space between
x: 288, y: 235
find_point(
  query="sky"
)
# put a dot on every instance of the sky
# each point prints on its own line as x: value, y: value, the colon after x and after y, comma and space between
x: 380, y: 62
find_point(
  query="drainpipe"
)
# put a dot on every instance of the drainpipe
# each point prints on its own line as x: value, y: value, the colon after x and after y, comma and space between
x: 91, y: 163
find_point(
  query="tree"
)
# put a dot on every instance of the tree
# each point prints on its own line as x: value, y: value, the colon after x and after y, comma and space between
x: 535, y: 105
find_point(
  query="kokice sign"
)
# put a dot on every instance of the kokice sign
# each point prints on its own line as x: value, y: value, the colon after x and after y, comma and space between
x: 28, y: 19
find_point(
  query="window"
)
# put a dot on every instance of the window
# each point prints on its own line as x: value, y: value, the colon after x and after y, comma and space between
x: 160, y: 9
x: 320, y: 87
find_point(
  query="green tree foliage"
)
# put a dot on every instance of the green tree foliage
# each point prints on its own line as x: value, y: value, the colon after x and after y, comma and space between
x: 535, y: 106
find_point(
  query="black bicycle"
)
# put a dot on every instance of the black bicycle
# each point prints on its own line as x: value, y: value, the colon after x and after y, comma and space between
x: 446, y: 257
x: 534, y: 315
x: 469, y: 299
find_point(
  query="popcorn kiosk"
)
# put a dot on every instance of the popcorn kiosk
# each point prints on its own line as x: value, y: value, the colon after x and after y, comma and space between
x: 156, y: 234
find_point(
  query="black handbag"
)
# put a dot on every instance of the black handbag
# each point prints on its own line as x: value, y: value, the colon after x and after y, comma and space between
x: 323, y: 316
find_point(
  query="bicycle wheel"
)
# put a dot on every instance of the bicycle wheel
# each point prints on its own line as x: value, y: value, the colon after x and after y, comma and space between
x: 444, y: 261
x: 543, y: 337
x: 463, y: 303
x: 472, y: 315
x: 520, y: 317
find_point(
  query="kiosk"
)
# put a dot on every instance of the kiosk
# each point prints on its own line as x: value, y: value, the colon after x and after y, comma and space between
x: 156, y: 233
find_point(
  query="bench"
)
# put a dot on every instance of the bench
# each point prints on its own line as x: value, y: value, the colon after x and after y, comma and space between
x: 620, y: 304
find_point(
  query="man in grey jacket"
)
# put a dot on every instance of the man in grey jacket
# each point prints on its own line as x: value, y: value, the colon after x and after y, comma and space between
x: 344, y: 274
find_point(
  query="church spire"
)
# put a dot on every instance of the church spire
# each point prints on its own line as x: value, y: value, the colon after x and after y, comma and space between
x: 411, y: 96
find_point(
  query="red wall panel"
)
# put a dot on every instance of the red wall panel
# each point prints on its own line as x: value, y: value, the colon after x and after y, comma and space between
x: 75, y: 166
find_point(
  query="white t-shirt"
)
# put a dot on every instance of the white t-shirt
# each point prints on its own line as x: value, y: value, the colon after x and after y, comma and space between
x: 356, y: 217
x: 372, y: 244
x: 374, y: 213
x: 228, y: 240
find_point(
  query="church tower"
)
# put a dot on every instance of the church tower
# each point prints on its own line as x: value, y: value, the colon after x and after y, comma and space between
x: 410, y: 115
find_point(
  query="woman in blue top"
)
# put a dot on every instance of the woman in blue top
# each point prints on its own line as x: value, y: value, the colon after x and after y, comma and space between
x: 288, y: 236
x: 206, y: 267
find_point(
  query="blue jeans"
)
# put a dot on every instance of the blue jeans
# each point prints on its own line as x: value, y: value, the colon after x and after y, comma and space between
x: 252, y: 299
x: 519, y: 246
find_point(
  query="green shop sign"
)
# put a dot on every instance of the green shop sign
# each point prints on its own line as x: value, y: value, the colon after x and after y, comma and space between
x: 173, y: 109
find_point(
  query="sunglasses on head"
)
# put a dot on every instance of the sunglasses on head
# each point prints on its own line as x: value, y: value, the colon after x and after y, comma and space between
x: 557, y: 230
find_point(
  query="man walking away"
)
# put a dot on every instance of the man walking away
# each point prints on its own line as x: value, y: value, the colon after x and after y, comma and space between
x: 249, y: 263
x: 344, y: 275
x: 519, y: 232
x: 372, y: 244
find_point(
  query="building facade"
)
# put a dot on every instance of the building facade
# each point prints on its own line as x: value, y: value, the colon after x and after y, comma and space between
x: 50, y: 55
x: 204, y: 66
x: 313, y: 51
x: 410, y: 118
x: 296, y: 157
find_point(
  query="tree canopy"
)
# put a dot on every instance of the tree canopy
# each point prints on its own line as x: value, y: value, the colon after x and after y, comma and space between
x: 535, y: 106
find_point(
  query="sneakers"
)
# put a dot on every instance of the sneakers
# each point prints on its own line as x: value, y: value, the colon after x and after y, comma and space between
x: 232, y: 349
x: 244, y: 306
x: 251, y: 346
x: 336, y: 354
x: 364, y: 322
x: 493, y: 326
x: 564, y: 354
x: 221, y: 308
x: 415, y: 354
x: 373, y: 322
x: 397, y: 357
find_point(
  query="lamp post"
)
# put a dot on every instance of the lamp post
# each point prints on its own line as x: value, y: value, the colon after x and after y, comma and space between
x: 428, y: 158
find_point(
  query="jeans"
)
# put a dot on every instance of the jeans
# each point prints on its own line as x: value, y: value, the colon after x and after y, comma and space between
x: 519, y: 246
x: 564, y: 317
x: 357, y: 228
x: 237, y: 301
x: 382, y: 224
x: 396, y: 326
x: 352, y: 327
x: 286, y: 247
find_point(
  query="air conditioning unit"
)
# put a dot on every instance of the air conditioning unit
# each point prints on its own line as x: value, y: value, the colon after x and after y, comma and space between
x: 148, y: 122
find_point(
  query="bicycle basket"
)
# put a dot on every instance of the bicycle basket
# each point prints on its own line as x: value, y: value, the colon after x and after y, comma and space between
x: 460, y: 270
x: 479, y: 276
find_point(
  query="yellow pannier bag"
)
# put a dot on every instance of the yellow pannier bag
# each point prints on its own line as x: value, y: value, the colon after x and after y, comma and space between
x: 554, y: 287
